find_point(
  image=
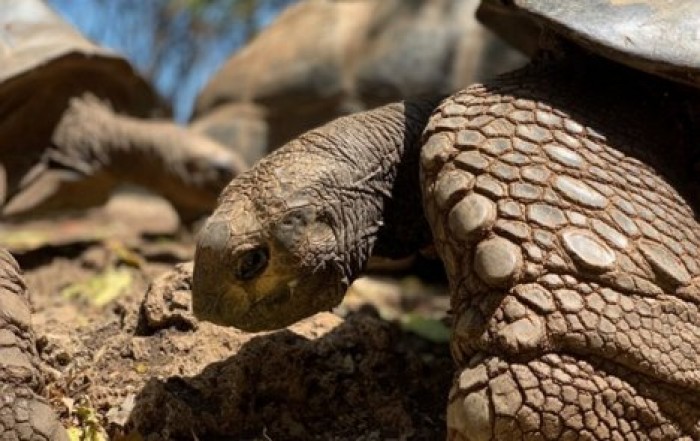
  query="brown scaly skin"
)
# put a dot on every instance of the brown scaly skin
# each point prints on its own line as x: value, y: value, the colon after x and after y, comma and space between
x: 557, y: 198
x: 95, y: 149
x: 23, y: 413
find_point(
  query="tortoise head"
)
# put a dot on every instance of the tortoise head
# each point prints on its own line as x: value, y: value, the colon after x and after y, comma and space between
x: 290, y: 234
x: 268, y: 256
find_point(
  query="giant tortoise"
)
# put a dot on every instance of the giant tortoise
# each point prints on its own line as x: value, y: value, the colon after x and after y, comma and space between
x: 559, y: 198
x: 70, y: 128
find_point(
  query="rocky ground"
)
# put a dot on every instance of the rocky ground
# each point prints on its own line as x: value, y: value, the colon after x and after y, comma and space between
x: 377, y: 369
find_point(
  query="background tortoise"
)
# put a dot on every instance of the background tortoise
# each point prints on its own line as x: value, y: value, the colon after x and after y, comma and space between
x: 558, y: 197
x: 323, y: 59
x: 65, y: 139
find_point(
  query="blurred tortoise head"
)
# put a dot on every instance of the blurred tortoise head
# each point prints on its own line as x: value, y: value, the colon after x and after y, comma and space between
x: 73, y: 125
x: 558, y: 199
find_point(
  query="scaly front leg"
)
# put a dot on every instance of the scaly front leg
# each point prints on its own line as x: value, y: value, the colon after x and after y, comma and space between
x: 572, y: 254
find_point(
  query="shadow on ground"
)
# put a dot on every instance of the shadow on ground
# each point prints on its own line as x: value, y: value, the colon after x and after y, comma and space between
x: 364, y: 379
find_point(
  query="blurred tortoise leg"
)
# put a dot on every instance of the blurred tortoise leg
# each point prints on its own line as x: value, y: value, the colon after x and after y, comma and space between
x: 24, y: 414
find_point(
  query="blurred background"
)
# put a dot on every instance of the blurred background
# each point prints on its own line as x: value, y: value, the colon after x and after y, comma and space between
x: 179, y: 44
x: 176, y: 44
x: 238, y: 78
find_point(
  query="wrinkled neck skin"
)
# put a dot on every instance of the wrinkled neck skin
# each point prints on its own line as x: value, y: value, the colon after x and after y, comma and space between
x: 322, y: 205
x: 186, y: 168
x: 361, y: 174
x: 371, y: 191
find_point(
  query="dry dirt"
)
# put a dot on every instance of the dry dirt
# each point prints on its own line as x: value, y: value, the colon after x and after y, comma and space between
x: 154, y: 373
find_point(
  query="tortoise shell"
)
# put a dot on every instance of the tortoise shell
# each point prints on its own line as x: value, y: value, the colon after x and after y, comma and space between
x: 44, y: 62
x: 661, y: 37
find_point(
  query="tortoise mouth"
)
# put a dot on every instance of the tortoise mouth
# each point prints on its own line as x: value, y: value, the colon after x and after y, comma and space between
x: 277, y: 310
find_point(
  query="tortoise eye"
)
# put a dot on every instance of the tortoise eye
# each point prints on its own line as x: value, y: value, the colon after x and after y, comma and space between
x: 251, y: 263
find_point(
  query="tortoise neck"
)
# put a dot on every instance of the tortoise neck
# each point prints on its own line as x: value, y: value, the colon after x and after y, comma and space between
x: 361, y: 173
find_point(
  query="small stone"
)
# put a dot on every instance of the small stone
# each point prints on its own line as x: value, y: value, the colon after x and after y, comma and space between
x: 600, y: 175
x: 497, y: 261
x: 624, y: 205
x: 567, y: 140
x: 564, y: 156
x: 473, y: 214
x: 534, y: 252
x: 545, y: 239
x: 578, y: 192
x: 480, y: 120
x: 664, y: 263
x: 524, y: 376
x: 588, y: 250
x: 450, y: 183
x: 513, y: 309
x: 546, y: 215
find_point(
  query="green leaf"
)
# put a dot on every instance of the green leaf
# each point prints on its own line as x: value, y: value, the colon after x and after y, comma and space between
x: 428, y: 328
x: 101, y: 288
x: 90, y: 428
